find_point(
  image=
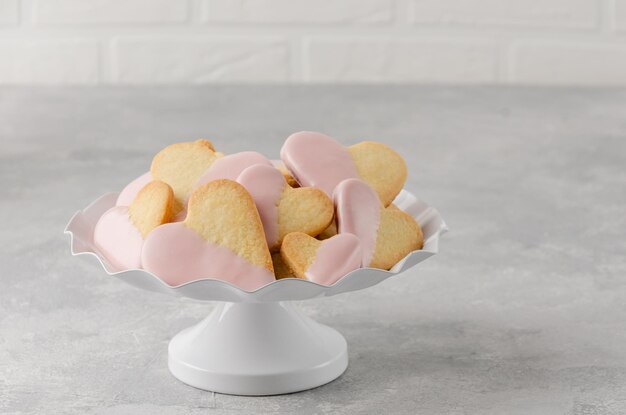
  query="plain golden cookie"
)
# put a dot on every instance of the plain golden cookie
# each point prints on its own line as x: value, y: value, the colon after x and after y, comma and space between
x: 305, y: 209
x: 153, y: 206
x: 181, y: 164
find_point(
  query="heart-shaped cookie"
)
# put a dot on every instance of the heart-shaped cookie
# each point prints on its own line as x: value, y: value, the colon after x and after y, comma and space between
x: 318, y: 160
x: 323, y: 262
x: 181, y: 164
x: 284, y: 209
x: 222, y: 237
x: 387, y: 234
x: 153, y: 206
x: 121, y: 230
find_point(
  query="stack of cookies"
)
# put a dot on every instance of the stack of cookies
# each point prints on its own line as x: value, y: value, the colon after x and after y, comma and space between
x: 319, y: 213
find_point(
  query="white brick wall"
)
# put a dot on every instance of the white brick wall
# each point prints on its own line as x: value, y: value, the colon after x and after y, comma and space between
x: 563, y: 63
x: 571, y: 42
x: 48, y: 62
x: 299, y: 11
x: 68, y: 12
x: 525, y: 13
x: 398, y: 60
x: 200, y: 60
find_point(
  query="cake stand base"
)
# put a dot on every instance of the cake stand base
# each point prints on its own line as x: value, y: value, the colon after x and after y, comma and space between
x: 257, y: 349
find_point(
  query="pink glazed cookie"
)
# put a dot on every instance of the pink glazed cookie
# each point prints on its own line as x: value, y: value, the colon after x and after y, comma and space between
x: 120, y: 231
x: 318, y: 160
x: 323, y: 262
x: 387, y: 234
x: 221, y: 238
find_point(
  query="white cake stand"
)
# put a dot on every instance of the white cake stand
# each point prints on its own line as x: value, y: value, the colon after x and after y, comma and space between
x: 257, y: 343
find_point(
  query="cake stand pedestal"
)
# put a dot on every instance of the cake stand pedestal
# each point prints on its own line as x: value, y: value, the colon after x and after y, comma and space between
x: 257, y: 348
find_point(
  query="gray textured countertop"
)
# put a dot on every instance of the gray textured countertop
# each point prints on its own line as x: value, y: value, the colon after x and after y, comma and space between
x: 522, y: 312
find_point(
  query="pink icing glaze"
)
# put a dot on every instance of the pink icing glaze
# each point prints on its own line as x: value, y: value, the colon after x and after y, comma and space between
x: 231, y: 166
x: 177, y: 254
x: 265, y: 184
x: 128, y: 194
x: 357, y: 208
x: 117, y: 238
x: 336, y: 257
x: 317, y: 160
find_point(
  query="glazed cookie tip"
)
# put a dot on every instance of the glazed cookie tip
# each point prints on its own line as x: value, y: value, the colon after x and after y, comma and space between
x: 323, y: 262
